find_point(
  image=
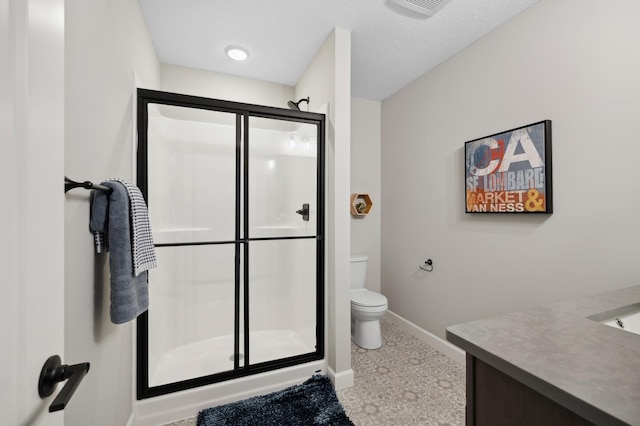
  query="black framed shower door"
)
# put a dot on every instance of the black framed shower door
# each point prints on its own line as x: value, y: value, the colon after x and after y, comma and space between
x: 236, y: 200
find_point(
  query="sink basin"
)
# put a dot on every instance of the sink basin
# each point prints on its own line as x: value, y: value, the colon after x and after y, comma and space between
x: 625, y: 318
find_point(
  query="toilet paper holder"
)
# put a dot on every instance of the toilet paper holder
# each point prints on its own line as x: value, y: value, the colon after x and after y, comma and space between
x: 428, y: 265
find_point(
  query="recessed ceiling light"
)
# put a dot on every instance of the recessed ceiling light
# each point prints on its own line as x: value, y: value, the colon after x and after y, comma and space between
x: 237, y: 53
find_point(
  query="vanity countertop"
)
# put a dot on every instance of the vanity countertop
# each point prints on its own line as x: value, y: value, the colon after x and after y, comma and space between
x: 590, y: 368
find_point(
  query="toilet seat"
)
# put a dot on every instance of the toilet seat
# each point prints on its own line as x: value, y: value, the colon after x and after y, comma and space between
x: 366, y: 298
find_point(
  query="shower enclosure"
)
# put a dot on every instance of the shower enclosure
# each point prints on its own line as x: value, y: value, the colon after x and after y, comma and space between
x: 235, y: 195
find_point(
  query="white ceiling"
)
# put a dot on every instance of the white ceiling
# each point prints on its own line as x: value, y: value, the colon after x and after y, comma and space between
x: 390, y: 46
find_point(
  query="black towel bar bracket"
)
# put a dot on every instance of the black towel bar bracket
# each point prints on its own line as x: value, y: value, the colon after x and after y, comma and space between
x: 70, y: 184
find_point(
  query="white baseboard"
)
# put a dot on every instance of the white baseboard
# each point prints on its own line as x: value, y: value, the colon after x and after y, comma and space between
x: 442, y: 346
x: 131, y: 421
x: 341, y: 380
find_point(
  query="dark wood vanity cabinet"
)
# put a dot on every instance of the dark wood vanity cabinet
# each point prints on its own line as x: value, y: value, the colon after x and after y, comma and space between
x: 496, y: 399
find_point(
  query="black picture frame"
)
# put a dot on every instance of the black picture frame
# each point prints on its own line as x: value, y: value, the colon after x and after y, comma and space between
x: 510, y: 171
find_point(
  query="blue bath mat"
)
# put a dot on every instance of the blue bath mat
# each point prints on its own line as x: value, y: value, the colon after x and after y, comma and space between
x: 312, y: 403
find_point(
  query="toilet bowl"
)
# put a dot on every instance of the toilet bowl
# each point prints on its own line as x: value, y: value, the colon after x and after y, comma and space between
x: 367, y: 307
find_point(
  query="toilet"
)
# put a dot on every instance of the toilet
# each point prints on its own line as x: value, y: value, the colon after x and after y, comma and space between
x: 367, y: 307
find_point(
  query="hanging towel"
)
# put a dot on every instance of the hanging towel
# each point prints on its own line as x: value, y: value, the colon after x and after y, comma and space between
x: 110, y: 214
x: 144, y: 254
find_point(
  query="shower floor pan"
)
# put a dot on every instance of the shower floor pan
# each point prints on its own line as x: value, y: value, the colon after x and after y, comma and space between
x: 215, y: 355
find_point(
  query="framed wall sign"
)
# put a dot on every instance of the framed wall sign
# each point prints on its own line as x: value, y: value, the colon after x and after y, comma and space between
x: 510, y: 172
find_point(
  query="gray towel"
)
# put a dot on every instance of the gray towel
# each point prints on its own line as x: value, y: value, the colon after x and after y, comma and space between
x: 110, y: 215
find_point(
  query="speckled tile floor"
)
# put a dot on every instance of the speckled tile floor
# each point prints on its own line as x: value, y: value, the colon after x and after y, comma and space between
x: 404, y: 383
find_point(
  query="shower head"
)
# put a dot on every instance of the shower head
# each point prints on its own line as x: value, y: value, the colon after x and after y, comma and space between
x: 296, y: 105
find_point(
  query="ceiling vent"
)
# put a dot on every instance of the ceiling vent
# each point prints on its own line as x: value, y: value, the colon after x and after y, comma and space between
x: 424, y: 7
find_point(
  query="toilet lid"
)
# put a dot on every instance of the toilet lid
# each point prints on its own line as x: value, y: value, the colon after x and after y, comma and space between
x: 368, y: 298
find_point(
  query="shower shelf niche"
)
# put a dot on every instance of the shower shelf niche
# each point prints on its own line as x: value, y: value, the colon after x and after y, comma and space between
x: 360, y: 204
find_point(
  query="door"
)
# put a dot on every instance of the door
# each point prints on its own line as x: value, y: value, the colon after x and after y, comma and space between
x: 31, y: 170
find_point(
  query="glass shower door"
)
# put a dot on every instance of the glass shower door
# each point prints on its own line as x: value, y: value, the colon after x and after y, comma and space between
x: 193, y: 212
x: 282, y: 229
x: 235, y: 195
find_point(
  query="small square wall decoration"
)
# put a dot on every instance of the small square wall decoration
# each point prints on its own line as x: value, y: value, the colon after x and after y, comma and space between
x: 510, y: 172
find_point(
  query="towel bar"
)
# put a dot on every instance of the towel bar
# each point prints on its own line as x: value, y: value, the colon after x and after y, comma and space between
x: 70, y: 184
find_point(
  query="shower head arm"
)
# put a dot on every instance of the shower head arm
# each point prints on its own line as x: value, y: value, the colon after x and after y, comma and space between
x: 296, y: 105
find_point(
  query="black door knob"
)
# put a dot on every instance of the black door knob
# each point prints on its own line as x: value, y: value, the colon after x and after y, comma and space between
x: 53, y: 371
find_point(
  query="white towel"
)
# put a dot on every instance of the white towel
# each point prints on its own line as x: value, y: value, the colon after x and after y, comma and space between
x: 143, y: 251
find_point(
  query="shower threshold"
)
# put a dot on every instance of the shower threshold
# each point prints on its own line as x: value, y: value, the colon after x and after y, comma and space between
x: 215, y: 355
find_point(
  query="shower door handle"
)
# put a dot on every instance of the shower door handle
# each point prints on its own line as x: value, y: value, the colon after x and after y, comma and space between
x: 304, y: 212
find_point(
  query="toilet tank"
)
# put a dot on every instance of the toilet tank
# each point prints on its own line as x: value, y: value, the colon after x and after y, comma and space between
x: 358, y: 270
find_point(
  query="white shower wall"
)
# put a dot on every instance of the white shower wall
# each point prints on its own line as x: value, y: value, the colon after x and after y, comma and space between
x: 191, y: 197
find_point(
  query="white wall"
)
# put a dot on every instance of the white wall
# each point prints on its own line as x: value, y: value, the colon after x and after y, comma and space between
x: 365, y: 178
x: 222, y: 86
x: 327, y: 81
x: 106, y: 41
x: 573, y: 62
